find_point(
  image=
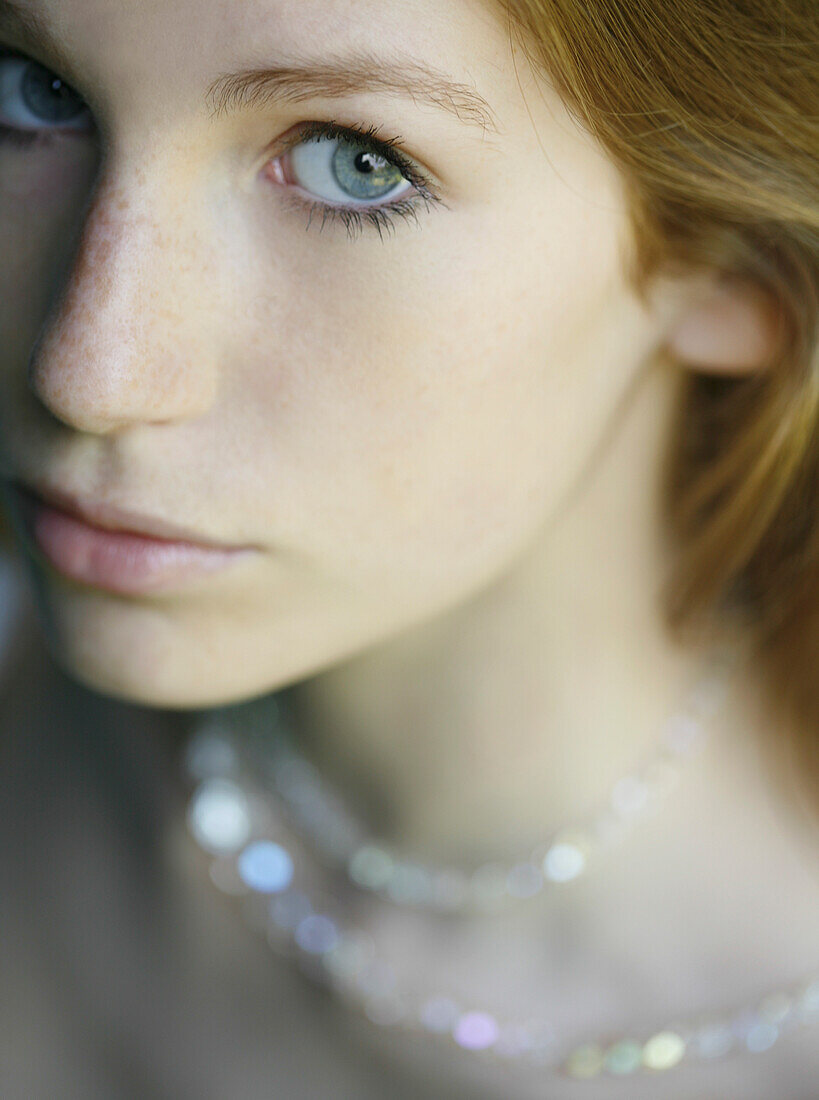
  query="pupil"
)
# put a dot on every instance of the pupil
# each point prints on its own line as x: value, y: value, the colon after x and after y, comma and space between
x: 367, y: 162
x: 363, y: 174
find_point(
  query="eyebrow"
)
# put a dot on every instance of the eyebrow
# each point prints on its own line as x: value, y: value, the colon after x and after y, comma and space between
x: 333, y: 78
x: 337, y: 77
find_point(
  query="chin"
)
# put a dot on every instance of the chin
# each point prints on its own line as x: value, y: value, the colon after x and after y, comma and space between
x: 186, y: 654
x: 173, y: 689
x: 148, y: 655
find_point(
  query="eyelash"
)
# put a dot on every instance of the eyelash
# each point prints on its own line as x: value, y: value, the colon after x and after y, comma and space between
x: 21, y: 138
x: 356, y: 219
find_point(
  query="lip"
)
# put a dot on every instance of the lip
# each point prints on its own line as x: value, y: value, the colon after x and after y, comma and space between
x: 111, y: 517
x: 110, y: 547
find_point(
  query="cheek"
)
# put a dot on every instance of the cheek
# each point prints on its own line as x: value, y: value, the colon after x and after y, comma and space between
x: 422, y: 427
x: 42, y: 195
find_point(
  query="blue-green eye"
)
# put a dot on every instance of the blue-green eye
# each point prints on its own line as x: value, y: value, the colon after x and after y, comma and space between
x: 336, y: 170
x: 34, y: 98
x: 353, y: 175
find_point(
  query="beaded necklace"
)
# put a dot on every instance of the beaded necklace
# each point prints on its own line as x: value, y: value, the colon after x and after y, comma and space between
x: 258, y: 810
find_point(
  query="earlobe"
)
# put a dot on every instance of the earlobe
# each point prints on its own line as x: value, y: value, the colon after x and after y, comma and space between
x: 735, y: 328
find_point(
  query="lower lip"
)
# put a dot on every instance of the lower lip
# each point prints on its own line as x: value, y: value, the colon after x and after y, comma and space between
x: 118, y: 560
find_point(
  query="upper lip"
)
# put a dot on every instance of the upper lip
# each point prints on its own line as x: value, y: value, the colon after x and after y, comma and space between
x: 111, y: 517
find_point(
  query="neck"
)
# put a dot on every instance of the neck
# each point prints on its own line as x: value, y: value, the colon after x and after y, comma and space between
x: 512, y: 714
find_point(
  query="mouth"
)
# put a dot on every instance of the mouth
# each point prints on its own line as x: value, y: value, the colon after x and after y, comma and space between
x: 105, y: 546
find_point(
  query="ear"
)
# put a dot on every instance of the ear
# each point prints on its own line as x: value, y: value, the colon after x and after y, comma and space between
x: 729, y: 327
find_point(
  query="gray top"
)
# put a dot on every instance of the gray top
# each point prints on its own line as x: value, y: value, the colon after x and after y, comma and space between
x: 125, y: 974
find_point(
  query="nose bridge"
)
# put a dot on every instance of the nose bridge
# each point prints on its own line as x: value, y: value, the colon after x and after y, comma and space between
x: 127, y: 340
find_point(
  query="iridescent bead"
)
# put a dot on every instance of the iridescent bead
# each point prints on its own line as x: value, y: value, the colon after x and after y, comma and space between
x: 713, y: 1041
x: 316, y: 934
x: 629, y: 796
x: 524, y: 881
x: 585, y: 1061
x: 513, y: 1041
x: 409, y: 884
x: 386, y: 1010
x: 661, y: 776
x: 663, y: 1050
x: 289, y: 908
x: 488, y: 885
x: 743, y: 1022
x: 371, y: 867
x: 542, y: 1043
x: 450, y: 890
x: 776, y: 1008
x: 315, y: 816
x: 297, y: 780
x: 266, y: 867
x: 564, y: 861
x: 624, y: 1057
x: 219, y: 816
x: 534, y: 1040
x: 475, y: 1031
x: 761, y: 1037
x: 439, y: 1014
x: 349, y: 956
x: 377, y: 978
x: 209, y: 755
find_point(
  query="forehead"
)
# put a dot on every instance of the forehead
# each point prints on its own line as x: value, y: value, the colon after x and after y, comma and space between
x: 186, y: 44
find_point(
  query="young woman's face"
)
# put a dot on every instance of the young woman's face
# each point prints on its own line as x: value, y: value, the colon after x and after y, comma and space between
x: 378, y: 370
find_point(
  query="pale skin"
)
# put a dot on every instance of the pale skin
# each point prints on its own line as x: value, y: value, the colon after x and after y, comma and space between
x: 443, y: 445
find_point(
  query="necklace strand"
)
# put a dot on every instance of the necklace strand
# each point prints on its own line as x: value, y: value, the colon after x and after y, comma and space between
x: 244, y: 791
x: 267, y: 743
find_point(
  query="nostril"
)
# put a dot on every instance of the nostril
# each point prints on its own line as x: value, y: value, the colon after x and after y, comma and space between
x: 100, y: 397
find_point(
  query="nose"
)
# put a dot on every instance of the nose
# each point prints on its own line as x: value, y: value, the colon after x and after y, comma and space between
x: 129, y: 338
